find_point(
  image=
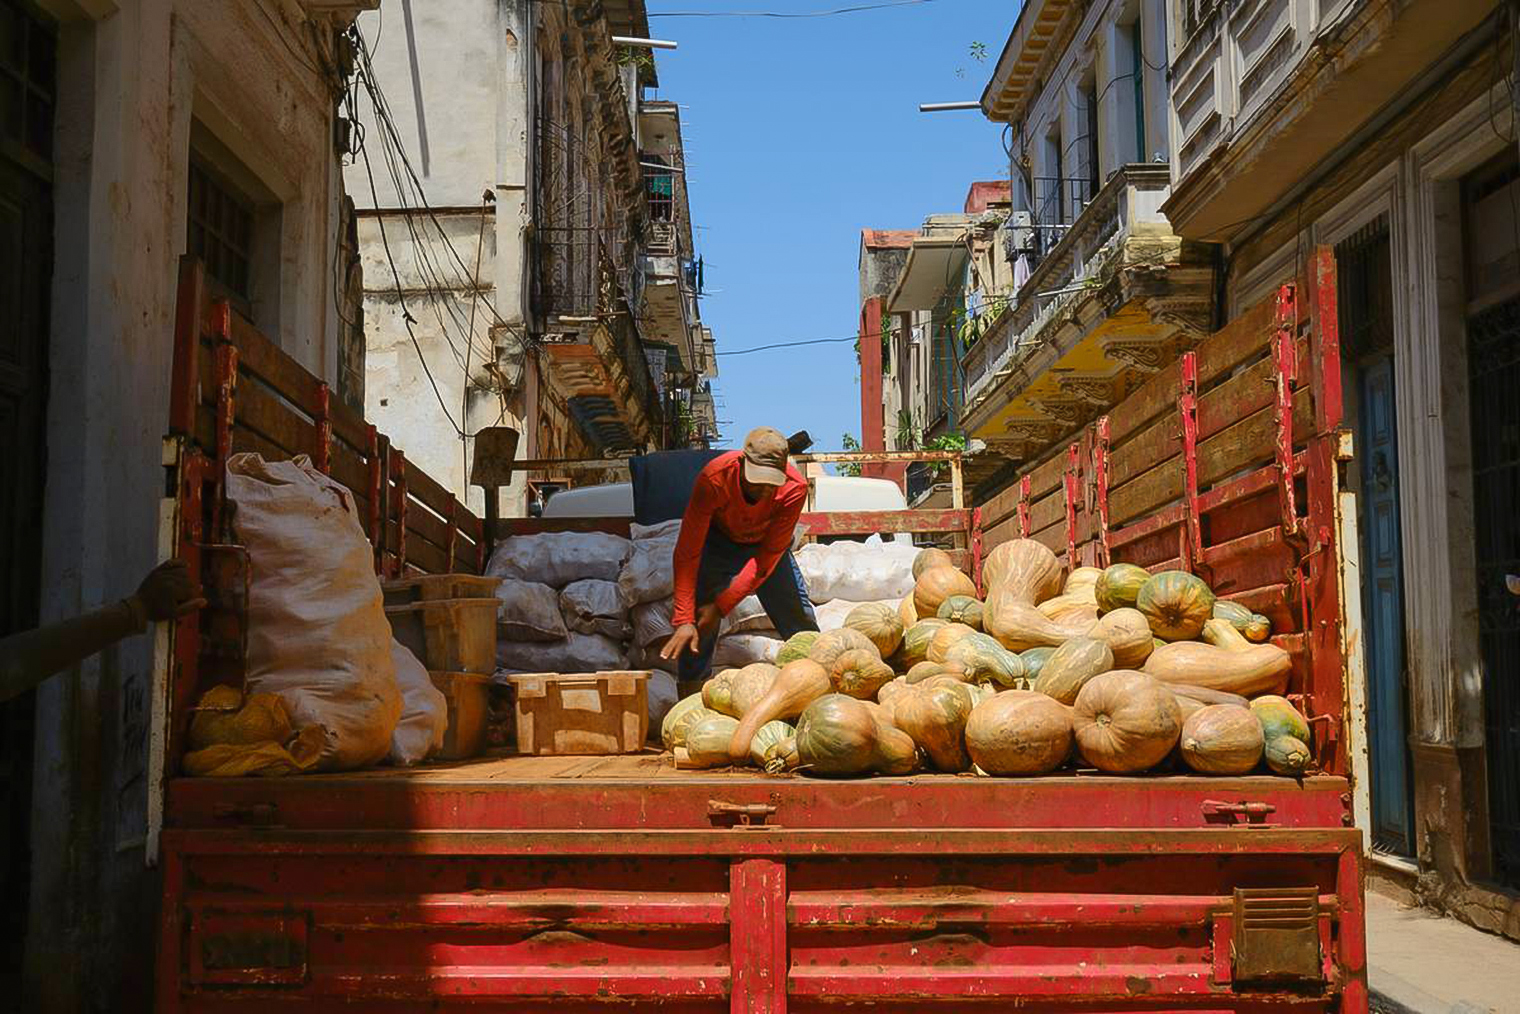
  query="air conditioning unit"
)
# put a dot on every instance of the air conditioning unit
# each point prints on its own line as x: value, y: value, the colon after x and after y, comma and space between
x: 1019, y: 234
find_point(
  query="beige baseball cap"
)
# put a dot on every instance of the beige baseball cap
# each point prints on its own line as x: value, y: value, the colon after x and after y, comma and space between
x: 765, y: 457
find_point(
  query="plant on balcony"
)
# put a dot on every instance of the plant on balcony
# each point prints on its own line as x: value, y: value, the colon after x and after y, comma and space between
x: 909, y: 438
x: 851, y: 468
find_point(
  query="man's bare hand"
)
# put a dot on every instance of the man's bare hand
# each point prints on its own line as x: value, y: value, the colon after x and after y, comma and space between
x: 685, y: 638
x: 688, y: 636
x: 168, y: 592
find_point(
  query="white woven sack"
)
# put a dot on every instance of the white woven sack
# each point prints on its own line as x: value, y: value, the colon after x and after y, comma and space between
x: 317, y: 632
x: 424, y: 711
x: 867, y: 571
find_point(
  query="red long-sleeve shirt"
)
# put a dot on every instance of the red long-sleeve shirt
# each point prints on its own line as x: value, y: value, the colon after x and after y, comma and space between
x: 717, y: 499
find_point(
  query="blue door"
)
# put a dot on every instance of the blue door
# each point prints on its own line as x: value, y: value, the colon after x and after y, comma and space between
x: 1383, y: 609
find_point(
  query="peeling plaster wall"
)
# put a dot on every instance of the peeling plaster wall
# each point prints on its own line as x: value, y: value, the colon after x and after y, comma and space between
x: 133, y: 74
x: 457, y: 78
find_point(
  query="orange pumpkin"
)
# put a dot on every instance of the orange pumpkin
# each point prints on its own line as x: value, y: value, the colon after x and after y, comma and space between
x: 937, y: 584
x: 880, y: 623
x: 1019, y: 732
x: 1125, y: 721
x: 1025, y: 568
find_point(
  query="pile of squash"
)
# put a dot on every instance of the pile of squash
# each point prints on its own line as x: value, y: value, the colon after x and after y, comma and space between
x: 1118, y: 669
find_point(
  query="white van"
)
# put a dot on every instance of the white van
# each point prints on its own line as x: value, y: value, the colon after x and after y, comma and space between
x: 826, y: 493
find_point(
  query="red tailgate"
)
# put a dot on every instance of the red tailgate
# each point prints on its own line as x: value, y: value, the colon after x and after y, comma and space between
x: 762, y: 920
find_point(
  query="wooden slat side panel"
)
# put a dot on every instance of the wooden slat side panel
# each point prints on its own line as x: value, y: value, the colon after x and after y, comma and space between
x: 261, y: 357
x: 1156, y: 397
x: 261, y: 410
x: 351, y: 470
x: 870, y: 522
x: 1053, y: 538
x: 1048, y: 511
x: 1047, y: 475
x: 1249, y: 442
x: 1239, y: 340
x: 1002, y: 506
x: 421, y: 521
x: 1004, y: 531
x: 426, y: 557
x: 1240, y: 394
x: 1145, y: 450
x: 424, y: 488
x: 1155, y: 488
x: 348, y: 425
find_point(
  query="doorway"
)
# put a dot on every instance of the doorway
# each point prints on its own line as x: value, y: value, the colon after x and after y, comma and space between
x: 1364, y: 270
x: 28, y: 71
x: 1491, y: 200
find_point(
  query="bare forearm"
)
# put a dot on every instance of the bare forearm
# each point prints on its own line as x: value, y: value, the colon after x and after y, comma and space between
x: 29, y: 658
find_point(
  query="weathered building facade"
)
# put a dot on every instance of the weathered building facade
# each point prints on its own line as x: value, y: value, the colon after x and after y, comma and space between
x: 538, y: 270
x: 1104, y: 291
x: 138, y: 140
x: 1387, y: 131
x: 924, y: 293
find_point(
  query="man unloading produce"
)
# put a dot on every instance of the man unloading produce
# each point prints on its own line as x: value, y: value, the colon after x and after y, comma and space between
x: 28, y: 658
x: 735, y: 542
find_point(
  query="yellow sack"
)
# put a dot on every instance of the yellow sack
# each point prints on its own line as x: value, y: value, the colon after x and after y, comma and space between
x: 241, y: 760
x: 233, y: 738
x: 223, y: 717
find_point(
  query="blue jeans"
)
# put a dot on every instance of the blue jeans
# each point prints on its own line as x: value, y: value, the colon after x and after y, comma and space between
x: 783, y: 594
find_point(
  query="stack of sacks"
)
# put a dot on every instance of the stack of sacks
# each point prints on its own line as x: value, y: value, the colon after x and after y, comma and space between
x: 839, y: 576
x: 563, y: 608
x: 532, y: 632
x: 647, y: 583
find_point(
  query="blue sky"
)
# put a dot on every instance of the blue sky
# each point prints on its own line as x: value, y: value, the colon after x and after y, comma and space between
x: 799, y: 133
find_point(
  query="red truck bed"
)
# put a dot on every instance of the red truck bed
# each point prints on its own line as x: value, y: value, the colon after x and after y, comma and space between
x: 571, y: 884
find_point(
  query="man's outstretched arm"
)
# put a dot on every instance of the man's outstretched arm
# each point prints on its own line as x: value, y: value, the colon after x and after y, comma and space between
x: 29, y: 658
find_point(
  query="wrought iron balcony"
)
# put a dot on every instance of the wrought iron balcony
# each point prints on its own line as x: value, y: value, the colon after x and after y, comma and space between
x: 1117, y: 256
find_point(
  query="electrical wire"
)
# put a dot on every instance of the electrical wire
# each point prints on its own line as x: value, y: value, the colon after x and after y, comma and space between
x: 464, y: 396
x: 408, y: 183
x: 406, y: 316
x: 781, y: 14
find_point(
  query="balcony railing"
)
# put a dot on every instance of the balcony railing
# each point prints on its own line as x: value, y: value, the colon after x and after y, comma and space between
x: 660, y: 240
x: 1084, y: 251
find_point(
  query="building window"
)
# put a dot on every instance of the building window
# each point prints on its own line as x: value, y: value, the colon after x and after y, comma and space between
x: 221, y: 224
x: 1136, y: 32
x: 1089, y: 182
x: 28, y: 79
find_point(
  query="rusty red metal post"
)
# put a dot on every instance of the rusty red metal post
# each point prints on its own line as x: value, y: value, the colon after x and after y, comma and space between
x: 226, y: 418
x: 398, y: 472
x: 1284, y: 358
x: 185, y: 381
x: 1073, y: 468
x: 452, y: 538
x: 757, y: 937
x: 1100, y: 488
x: 376, y: 481
x: 322, y: 415
x: 1187, y: 408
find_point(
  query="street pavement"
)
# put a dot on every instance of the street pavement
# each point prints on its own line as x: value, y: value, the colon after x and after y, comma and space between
x: 1421, y: 963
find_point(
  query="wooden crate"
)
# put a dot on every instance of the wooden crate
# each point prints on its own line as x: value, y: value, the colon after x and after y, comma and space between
x: 448, y: 635
x: 428, y: 587
x: 468, y: 695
